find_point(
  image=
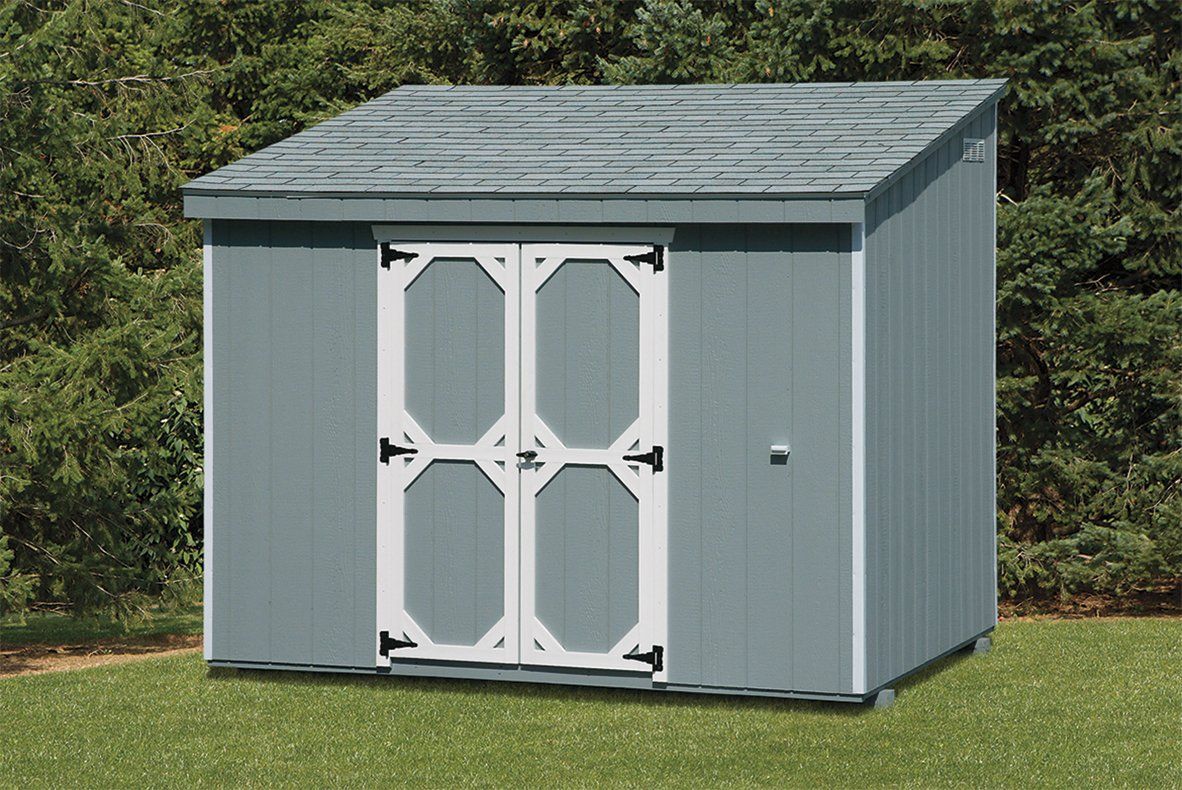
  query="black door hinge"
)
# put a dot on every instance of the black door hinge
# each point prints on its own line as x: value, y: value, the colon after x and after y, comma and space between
x: 655, y: 258
x: 656, y: 657
x: 655, y: 459
x: 386, y: 450
x: 386, y: 643
x: 389, y: 255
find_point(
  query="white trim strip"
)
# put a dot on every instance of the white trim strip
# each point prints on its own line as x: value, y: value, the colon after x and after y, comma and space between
x: 207, y: 468
x: 858, y: 451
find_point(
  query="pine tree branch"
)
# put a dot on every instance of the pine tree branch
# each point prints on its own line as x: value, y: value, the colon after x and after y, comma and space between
x: 28, y: 319
x: 130, y: 79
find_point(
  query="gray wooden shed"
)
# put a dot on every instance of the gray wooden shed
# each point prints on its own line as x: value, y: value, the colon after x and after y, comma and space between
x: 670, y: 387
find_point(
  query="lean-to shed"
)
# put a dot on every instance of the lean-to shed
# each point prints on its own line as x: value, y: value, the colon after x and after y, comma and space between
x: 671, y: 387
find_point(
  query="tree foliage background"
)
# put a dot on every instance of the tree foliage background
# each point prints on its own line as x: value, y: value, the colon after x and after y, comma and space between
x: 108, y: 106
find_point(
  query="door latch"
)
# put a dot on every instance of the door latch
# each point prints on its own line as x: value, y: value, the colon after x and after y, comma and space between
x: 527, y: 455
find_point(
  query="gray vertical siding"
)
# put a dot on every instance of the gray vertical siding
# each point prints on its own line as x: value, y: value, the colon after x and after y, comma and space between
x: 294, y: 353
x: 759, y: 552
x: 930, y: 514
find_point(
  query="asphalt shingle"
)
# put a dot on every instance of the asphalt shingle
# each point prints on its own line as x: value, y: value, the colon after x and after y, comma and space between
x: 668, y: 140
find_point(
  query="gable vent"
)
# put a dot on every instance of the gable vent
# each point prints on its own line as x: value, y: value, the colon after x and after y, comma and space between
x: 974, y: 151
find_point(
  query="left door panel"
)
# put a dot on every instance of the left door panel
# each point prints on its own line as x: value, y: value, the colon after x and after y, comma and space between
x: 448, y: 410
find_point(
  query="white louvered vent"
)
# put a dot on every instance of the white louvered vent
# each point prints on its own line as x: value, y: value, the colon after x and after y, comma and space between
x: 974, y: 151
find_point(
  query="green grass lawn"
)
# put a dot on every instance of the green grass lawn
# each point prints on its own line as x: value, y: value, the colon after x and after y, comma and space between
x: 57, y: 629
x: 1057, y: 703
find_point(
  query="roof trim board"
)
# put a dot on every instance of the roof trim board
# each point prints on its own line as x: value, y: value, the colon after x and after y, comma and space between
x: 526, y: 210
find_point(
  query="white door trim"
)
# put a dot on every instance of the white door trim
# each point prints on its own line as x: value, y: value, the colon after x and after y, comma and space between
x: 493, y: 453
x: 647, y: 430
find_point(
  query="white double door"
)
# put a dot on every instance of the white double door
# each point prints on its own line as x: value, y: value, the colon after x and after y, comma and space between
x: 521, y: 450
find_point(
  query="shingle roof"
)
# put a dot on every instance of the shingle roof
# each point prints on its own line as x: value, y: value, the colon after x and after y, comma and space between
x: 765, y: 140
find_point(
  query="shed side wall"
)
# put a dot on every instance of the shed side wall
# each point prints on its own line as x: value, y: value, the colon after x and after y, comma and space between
x: 294, y: 356
x: 930, y: 496
x: 759, y: 553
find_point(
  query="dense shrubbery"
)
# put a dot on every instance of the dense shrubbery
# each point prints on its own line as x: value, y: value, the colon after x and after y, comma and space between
x: 109, y: 106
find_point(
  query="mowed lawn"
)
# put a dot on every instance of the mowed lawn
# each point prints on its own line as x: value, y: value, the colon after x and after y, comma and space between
x: 1057, y: 703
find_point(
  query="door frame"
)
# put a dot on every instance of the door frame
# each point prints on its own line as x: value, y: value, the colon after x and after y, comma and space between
x: 647, y: 486
x: 643, y: 235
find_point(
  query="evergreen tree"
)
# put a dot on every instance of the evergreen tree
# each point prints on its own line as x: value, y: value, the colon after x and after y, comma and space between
x: 108, y: 107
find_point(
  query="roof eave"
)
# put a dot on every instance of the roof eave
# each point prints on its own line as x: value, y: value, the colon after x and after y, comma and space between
x: 630, y: 208
x: 354, y: 195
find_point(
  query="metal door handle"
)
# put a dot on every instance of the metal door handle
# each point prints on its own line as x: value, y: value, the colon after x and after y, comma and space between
x: 527, y: 455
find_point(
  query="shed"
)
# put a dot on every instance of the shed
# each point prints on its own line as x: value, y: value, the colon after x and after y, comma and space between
x: 670, y: 387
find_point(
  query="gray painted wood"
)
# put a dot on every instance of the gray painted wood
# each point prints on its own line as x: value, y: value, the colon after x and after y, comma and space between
x: 757, y: 575
x: 359, y: 256
x: 455, y: 531
x: 295, y: 382
x: 588, y: 365
x: 455, y: 351
x: 526, y: 210
x: 222, y: 275
x: 336, y: 410
x: 243, y: 482
x: 290, y: 386
x: 587, y: 559
x: 930, y: 403
x: 768, y: 496
x: 686, y: 556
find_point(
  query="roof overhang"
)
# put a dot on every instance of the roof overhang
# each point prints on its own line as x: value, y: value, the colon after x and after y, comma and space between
x: 563, y: 209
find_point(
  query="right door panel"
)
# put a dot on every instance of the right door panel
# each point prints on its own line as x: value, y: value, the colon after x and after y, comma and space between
x: 592, y: 497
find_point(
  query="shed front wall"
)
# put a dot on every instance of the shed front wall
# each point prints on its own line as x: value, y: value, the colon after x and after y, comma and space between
x: 294, y: 376
x: 759, y: 552
x: 930, y: 495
